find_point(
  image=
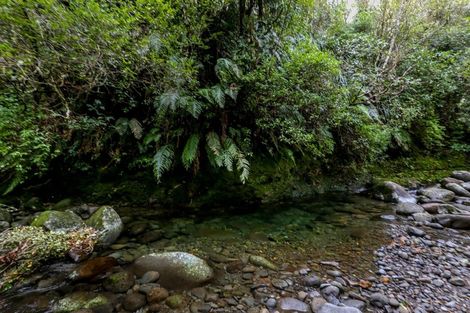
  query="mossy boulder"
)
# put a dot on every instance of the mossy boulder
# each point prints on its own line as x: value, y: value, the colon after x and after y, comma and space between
x: 178, y: 270
x: 58, y: 221
x: 108, y: 224
x: 63, y: 204
x: 5, y: 216
x: 175, y: 301
x: 82, y: 300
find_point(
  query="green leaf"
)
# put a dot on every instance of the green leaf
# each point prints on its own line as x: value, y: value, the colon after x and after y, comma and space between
x: 191, y: 105
x: 163, y: 160
x: 227, y: 71
x: 136, y: 128
x: 218, y: 96
x: 190, y: 150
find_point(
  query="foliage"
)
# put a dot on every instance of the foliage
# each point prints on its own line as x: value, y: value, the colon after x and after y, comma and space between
x: 24, y: 249
x: 182, y: 86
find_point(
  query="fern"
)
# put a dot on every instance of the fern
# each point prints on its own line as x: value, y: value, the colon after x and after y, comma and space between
x: 243, y: 166
x: 136, y: 128
x: 190, y: 150
x: 191, y: 105
x: 227, y: 71
x: 218, y: 96
x: 163, y: 160
x: 169, y: 100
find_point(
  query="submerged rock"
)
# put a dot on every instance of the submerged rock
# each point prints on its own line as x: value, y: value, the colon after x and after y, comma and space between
x: 93, y: 267
x: 82, y: 300
x: 435, y: 193
x: 119, y: 282
x: 263, y: 262
x: 57, y: 221
x: 108, y: 223
x: 178, y: 270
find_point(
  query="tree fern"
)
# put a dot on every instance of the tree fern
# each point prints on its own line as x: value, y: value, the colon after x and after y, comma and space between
x: 169, y: 100
x: 190, y: 150
x: 191, y: 105
x: 218, y: 95
x: 227, y: 71
x: 243, y: 166
x: 163, y: 160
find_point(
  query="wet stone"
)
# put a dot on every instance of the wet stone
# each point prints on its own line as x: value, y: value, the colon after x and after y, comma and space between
x: 291, y: 305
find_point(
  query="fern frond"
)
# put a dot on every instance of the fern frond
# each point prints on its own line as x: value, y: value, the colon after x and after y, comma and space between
x: 169, y: 100
x: 190, y: 150
x: 243, y: 166
x: 163, y: 160
x: 136, y: 128
x: 227, y: 71
x: 218, y: 96
x: 191, y: 105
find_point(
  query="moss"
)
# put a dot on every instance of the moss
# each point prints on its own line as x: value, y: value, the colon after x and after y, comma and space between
x: 422, y: 169
x: 79, y: 300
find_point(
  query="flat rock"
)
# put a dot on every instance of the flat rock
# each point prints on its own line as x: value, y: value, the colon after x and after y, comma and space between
x: 178, y: 270
x: 291, y: 305
x: 413, y: 231
x: 422, y: 217
x: 331, y: 308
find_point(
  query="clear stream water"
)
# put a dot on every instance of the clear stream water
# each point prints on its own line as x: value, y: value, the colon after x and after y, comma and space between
x: 343, y: 228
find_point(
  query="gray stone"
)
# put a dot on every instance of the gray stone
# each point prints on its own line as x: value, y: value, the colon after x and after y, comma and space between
x: 413, y: 231
x: 178, y: 270
x: 435, y: 193
x: 358, y: 304
x: 291, y: 305
x: 458, y: 221
x: 149, y: 277
x: 438, y: 208
x: 108, y: 224
x: 457, y: 281
x: 330, y: 308
x: 458, y: 190
x: 378, y: 299
x: 408, y: 208
x: 466, y: 185
x: 57, y: 221
x: 422, y: 217
x: 393, y: 192
x: 462, y: 175
x: 317, y: 303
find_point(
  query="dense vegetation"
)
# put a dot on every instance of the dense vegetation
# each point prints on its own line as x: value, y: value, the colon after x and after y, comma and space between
x: 171, y: 85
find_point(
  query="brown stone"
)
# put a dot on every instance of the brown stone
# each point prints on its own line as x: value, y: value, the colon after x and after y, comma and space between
x: 157, y: 295
x: 93, y: 267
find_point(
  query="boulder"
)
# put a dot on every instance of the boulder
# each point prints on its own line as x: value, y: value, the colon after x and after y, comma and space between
x: 408, y: 208
x: 331, y: 308
x: 449, y: 180
x: 435, y: 193
x: 458, y: 221
x: 178, y: 270
x: 422, y: 217
x: 57, y: 221
x: 291, y: 305
x: 108, y: 224
x: 466, y: 185
x: 393, y: 192
x: 458, y: 190
x: 462, y: 175
x: 438, y: 208
x: 82, y: 300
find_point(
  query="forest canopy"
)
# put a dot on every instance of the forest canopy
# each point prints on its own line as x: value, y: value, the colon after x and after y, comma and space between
x: 171, y: 85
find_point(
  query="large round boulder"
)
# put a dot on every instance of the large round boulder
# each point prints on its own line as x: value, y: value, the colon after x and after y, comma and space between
x: 108, y: 224
x: 435, y: 193
x: 58, y: 221
x: 178, y: 270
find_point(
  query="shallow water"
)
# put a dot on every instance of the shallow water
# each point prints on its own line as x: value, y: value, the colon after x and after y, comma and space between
x: 347, y: 229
